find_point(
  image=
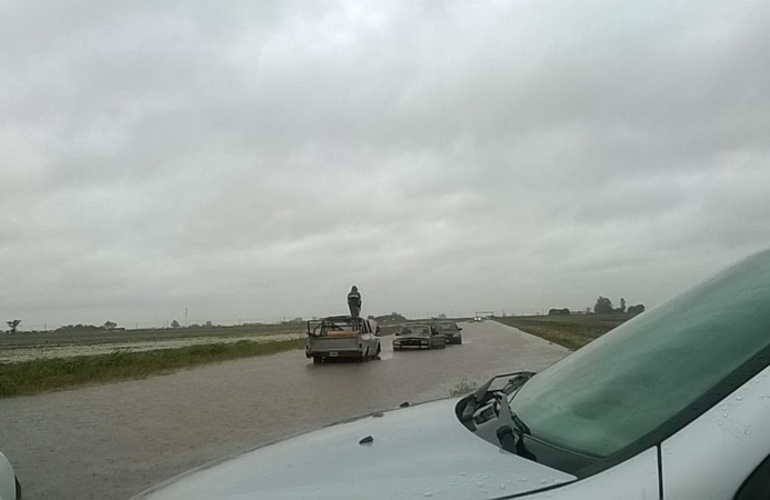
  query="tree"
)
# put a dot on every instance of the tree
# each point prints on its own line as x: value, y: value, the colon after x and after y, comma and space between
x: 603, y: 306
x: 13, y: 324
x: 637, y: 309
x: 109, y: 325
x: 175, y: 324
x: 622, y: 307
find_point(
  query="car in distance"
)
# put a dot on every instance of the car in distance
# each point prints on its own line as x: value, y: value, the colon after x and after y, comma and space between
x: 342, y: 337
x: 418, y: 336
x: 450, y: 330
x: 10, y: 489
x: 672, y: 404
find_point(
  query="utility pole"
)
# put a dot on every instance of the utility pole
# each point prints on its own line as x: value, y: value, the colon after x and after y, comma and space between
x: 186, y: 322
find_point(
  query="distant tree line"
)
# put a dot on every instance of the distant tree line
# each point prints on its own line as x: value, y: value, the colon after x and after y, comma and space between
x: 604, y: 306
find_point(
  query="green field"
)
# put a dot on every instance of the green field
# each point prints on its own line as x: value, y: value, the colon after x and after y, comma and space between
x: 573, y: 331
x: 30, y: 377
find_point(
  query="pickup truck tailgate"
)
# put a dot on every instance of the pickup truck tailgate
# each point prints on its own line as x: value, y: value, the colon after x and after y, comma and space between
x: 325, y: 344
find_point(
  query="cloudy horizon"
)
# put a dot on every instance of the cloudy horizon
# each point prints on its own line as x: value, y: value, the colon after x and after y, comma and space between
x: 251, y: 161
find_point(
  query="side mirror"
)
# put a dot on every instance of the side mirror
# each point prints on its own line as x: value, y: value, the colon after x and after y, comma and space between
x: 459, y: 329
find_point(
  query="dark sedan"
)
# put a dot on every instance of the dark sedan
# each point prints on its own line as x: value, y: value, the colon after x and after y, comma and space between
x: 418, y: 336
x: 450, y: 330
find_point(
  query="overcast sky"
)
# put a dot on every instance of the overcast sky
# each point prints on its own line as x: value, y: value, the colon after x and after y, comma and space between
x: 252, y: 160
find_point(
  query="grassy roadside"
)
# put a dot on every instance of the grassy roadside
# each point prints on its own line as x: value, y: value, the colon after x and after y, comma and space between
x: 30, y: 377
x: 572, y: 332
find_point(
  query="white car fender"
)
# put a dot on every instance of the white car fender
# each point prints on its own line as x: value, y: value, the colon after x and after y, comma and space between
x: 7, y: 479
x: 725, y: 444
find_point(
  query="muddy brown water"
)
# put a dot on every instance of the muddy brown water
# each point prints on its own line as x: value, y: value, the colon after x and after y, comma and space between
x: 113, y: 441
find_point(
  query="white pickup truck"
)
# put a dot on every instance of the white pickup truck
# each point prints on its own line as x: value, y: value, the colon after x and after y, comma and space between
x: 340, y: 337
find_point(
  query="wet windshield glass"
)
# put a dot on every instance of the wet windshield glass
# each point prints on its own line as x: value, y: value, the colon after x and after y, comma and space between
x: 625, y: 385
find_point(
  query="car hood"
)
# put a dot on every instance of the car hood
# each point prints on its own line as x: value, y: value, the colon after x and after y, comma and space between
x: 417, y: 452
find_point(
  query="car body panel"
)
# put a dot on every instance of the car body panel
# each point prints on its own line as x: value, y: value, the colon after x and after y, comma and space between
x: 415, y: 452
x: 737, y: 428
x: 7, y: 479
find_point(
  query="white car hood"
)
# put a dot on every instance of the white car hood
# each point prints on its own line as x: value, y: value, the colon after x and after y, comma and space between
x: 417, y: 452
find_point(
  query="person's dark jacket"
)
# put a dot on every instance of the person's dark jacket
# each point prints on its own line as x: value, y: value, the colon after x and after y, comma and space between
x: 354, y: 298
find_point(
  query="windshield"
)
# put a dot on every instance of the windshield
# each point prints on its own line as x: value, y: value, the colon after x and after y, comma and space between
x: 420, y: 331
x: 628, y: 383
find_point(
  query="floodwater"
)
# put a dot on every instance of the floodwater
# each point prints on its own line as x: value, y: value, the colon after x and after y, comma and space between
x: 70, y: 350
x: 113, y: 441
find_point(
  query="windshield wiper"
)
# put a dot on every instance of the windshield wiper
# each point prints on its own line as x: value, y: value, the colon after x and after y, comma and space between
x: 515, y: 381
x: 511, y: 434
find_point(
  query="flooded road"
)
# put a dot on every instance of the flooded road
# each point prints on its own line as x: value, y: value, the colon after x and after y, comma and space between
x: 113, y: 441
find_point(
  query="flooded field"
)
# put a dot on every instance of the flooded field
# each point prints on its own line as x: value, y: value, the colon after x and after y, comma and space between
x: 113, y: 441
x: 70, y: 350
x: 47, y: 345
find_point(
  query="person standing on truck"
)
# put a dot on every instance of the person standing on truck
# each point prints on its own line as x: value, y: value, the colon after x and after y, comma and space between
x: 354, y: 302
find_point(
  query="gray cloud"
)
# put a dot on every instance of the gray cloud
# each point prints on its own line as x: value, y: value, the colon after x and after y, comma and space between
x: 252, y: 161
